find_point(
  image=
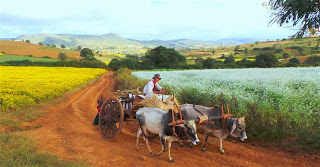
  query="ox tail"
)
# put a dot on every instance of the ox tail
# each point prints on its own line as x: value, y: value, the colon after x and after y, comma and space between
x: 194, y: 107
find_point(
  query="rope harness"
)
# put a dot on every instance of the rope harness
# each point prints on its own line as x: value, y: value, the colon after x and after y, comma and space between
x: 174, y: 123
x: 225, y: 116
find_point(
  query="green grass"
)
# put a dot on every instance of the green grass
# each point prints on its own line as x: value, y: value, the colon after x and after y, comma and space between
x: 11, y: 120
x: 19, y: 150
x: 7, y: 57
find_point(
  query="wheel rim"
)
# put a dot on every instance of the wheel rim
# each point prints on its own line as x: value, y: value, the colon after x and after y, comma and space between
x: 111, y: 118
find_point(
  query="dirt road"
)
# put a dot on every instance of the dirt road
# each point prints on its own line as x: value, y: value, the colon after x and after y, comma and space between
x: 67, y: 132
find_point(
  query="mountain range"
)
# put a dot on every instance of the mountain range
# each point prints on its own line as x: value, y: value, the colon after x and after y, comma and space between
x: 111, y: 40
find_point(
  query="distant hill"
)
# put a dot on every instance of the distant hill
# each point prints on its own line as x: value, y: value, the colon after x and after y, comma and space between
x: 99, y: 42
x: 236, y: 41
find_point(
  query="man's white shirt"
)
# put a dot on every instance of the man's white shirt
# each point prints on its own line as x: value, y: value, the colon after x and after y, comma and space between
x: 148, y: 89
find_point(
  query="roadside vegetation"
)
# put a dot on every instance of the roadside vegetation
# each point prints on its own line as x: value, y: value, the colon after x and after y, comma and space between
x: 19, y: 150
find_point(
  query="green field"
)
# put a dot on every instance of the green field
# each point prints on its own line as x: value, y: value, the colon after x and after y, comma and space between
x: 7, y: 57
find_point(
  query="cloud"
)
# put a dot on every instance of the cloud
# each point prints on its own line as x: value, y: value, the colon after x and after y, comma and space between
x: 17, y: 20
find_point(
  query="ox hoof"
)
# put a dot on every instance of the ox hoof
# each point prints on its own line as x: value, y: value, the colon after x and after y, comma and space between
x: 181, y: 145
x: 190, y: 145
x: 222, y: 152
x: 171, y: 160
x: 151, y: 155
x: 138, y: 149
x: 204, y: 150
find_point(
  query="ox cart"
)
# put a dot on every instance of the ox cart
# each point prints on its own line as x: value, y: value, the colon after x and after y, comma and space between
x: 115, y: 110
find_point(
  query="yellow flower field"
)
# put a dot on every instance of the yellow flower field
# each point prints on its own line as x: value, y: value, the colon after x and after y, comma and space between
x: 22, y: 86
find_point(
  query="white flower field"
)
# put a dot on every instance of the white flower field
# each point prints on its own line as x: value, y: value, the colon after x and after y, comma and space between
x: 294, y: 92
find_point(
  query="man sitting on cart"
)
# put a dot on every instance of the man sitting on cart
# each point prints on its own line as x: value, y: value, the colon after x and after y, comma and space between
x: 152, y: 87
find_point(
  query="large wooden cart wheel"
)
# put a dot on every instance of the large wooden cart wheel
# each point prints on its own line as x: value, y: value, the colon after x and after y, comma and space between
x: 111, y: 118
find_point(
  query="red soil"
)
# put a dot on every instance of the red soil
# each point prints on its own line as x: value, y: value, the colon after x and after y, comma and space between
x: 22, y: 48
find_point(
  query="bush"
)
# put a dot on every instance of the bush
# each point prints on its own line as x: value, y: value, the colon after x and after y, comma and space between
x: 208, y: 63
x: 266, y: 48
x: 229, y: 59
x: 126, y: 81
x: 286, y: 55
x: 294, y: 61
x: 303, y: 51
x: 268, y: 60
x: 279, y: 50
x: 62, y: 56
x: 116, y: 64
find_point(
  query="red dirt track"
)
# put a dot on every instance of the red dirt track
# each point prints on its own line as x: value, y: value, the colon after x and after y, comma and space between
x: 67, y: 132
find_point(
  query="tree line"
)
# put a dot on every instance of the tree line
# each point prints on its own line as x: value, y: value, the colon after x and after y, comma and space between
x: 168, y: 58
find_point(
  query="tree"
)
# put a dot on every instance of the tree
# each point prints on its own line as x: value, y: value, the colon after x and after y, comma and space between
x: 62, y: 46
x: 277, y: 46
x: 208, y: 63
x: 303, y: 51
x: 246, y: 51
x: 79, y: 47
x: 213, y: 52
x: 238, y: 48
x: 62, y: 56
x: 229, y: 59
x: 54, y: 45
x: 286, y: 55
x: 303, y: 12
x: 87, y: 54
x: 268, y: 60
x: 40, y: 43
x: 165, y: 57
x: 199, y: 60
x: 27, y: 41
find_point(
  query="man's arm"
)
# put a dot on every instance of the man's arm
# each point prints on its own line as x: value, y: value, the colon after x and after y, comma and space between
x: 162, y: 90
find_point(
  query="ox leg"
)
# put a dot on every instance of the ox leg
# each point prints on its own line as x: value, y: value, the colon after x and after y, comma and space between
x: 139, y: 133
x: 181, y: 143
x: 221, y: 147
x: 169, y: 147
x: 150, y: 151
x: 190, y: 143
x: 144, y: 130
x: 163, y: 144
x: 205, y: 138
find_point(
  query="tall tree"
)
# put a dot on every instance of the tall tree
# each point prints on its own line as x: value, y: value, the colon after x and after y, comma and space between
x: 305, y: 13
x: 165, y: 57
x: 87, y: 54
x: 267, y: 59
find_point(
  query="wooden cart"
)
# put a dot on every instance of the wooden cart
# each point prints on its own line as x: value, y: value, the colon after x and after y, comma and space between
x: 115, y: 110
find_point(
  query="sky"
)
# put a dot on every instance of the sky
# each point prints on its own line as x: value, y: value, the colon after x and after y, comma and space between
x: 142, y: 19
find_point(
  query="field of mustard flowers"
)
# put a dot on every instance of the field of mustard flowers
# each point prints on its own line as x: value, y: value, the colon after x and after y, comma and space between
x: 21, y: 86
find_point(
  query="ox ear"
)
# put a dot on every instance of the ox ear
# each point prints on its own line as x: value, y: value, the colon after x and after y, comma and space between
x: 233, y: 127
